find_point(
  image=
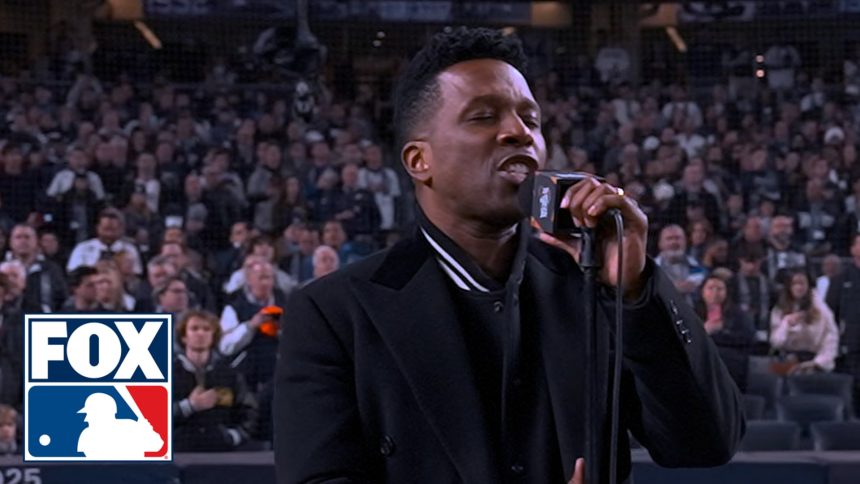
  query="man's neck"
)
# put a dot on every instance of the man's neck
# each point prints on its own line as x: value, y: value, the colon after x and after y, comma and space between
x: 492, y: 248
x: 26, y: 259
x: 82, y: 305
x: 198, y: 357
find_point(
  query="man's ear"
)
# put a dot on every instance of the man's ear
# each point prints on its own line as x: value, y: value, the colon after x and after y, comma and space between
x: 416, y: 156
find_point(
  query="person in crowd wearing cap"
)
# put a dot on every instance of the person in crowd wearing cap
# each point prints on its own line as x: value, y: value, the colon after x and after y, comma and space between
x: 455, y: 355
x: 213, y: 409
x: 109, y: 240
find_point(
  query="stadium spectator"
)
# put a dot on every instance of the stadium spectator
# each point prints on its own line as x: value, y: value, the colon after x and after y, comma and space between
x: 803, y: 327
x: 325, y: 260
x: 357, y: 208
x: 110, y: 291
x: 213, y: 410
x: 46, y: 283
x: 686, y: 273
x: 11, y: 349
x: 172, y: 297
x: 383, y: 182
x: 730, y: 328
x: 9, y: 438
x: 753, y: 291
x: 223, y: 263
x: 831, y: 267
x: 781, y: 253
x: 109, y: 241
x: 299, y: 265
x: 65, y: 180
x: 180, y: 256
x: 260, y: 248
x: 82, y: 282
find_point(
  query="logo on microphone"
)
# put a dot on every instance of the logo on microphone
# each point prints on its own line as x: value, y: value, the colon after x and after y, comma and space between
x: 544, y: 202
x: 97, y: 387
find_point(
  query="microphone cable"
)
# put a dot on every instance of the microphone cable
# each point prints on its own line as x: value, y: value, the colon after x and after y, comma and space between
x: 619, y: 341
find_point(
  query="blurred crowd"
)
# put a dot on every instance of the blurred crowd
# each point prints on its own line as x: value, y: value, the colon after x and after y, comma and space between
x: 212, y: 202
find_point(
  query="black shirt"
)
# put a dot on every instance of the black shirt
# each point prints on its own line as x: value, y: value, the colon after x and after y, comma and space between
x: 502, y: 339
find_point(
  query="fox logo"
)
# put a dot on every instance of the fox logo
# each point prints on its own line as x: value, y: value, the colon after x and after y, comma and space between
x: 97, y: 387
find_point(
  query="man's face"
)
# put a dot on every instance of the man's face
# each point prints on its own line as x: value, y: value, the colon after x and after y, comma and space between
x: 199, y: 334
x: 672, y: 239
x: 86, y: 291
x: 480, y: 143
x: 752, y: 230
x: 8, y: 430
x: 23, y: 241
x: 175, y: 297
x: 349, y: 175
x: 109, y: 229
x: 333, y: 234
x: 239, y: 233
x: 308, y: 241
x: 781, y: 229
x: 159, y: 273
x: 261, y: 280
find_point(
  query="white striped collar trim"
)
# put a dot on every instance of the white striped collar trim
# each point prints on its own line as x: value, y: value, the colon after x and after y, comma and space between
x: 455, y: 271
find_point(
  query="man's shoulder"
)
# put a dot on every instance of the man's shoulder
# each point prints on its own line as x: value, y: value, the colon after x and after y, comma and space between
x: 362, y: 269
x: 392, y: 267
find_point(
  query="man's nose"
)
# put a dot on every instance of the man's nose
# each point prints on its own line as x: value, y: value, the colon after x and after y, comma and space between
x: 514, y: 132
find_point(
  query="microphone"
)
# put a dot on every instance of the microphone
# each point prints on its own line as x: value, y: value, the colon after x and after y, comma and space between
x: 540, y: 198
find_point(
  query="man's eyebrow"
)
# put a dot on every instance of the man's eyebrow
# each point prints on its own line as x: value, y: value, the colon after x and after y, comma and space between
x: 495, y: 99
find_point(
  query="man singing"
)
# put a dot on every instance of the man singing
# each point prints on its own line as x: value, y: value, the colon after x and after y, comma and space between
x: 457, y: 355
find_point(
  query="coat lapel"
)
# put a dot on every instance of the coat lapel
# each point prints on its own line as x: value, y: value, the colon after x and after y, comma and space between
x: 408, y: 300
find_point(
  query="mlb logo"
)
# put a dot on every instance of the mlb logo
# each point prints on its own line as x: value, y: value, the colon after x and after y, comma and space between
x: 97, y: 387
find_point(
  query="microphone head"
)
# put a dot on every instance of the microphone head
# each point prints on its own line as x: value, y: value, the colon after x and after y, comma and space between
x: 540, y: 199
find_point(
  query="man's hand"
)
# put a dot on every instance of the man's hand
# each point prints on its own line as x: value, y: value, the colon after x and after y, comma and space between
x: 201, y: 399
x: 578, y: 472
x: 587, y: 201
x: 258, y: 319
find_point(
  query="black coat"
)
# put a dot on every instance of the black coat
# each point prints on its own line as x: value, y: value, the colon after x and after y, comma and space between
x: 373, y: 381
x: 209, y: 430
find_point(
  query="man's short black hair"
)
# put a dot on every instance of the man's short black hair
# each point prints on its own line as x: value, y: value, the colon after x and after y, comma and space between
x: 77, y: 276
x: 418, y: 93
